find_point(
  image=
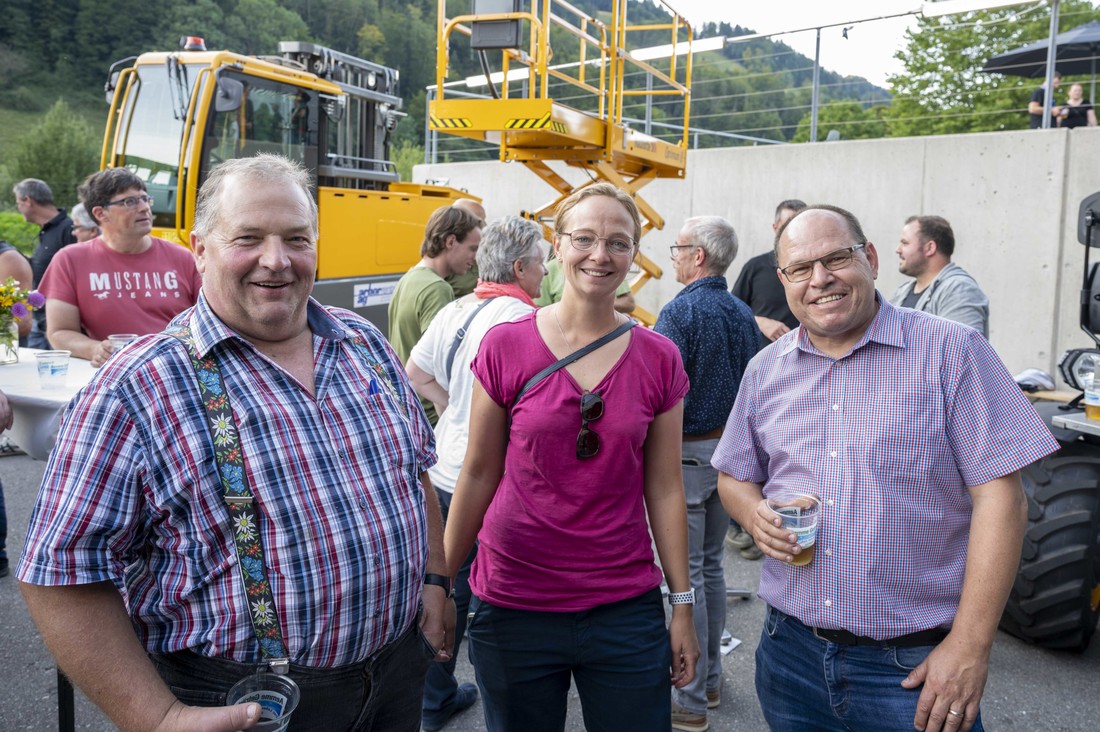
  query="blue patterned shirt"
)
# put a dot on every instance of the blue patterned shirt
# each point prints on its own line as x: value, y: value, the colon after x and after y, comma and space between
x: 717, y: 337
x: 131, y: 494
x: 890, y: 436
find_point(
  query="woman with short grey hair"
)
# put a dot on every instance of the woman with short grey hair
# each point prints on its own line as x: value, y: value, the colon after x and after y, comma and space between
x: 511, y: 263
x: 505, y: 242
x: 84, y: 226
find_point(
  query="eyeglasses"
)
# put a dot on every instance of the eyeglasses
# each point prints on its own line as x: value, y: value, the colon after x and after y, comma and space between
x: 129, y: 201
x: 834, y: 260
x: 588, y: 442
x: 673, y: 247
x: 585, y: 241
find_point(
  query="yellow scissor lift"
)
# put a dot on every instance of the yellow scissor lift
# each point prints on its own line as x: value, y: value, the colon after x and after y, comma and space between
x: 590, y: 134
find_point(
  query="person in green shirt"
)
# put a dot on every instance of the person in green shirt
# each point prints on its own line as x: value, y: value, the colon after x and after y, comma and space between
x: 554, y: 282
x: 450, y: 246
x: 464, y: 284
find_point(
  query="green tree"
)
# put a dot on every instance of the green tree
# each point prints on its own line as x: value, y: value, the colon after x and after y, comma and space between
x: 104, y: 31
x: 61, y: 150
x: 255, y: 27
x: 15, y: 230
x: 943, y: 89
x: 850, y: 119
x: 405, y: 156
x: 337, y: 21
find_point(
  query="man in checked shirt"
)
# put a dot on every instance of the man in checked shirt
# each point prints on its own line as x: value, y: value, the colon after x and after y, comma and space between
x: 335, y: 448
x: 911, y: 431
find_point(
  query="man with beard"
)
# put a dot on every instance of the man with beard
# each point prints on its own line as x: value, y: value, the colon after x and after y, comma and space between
x: 940, y: 287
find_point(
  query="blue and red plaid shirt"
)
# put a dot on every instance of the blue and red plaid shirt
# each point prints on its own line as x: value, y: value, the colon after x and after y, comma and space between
x: 131, y: 494
x: 890, y: 436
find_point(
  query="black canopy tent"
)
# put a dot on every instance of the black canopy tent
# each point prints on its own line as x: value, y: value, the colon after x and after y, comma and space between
x: 1077, y: 51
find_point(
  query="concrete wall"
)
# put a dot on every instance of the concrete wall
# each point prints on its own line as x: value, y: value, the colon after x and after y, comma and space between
x: 1012, y: 198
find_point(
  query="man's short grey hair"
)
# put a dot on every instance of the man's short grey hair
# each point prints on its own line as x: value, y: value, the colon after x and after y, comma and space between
x: 82, y: 218
x: 34, y: 189
x: 506, y: 241
x: 265, y: 168
x: 717, y: 238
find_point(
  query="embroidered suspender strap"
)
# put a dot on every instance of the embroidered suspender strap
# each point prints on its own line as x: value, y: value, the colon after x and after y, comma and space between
x: 238, y: 498
x: 461, y: 334
x: 574, y: 356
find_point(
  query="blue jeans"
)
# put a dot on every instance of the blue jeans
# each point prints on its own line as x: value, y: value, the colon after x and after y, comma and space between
x: 37, y: 339
x: 383, y: 692
x: 440, y: 686
x: 806, y: 684
x: 618, y: 655
x: 707, y: 523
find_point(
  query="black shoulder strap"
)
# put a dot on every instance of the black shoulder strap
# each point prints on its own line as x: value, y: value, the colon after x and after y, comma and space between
x: 574, y: 356
x: 462, y: 334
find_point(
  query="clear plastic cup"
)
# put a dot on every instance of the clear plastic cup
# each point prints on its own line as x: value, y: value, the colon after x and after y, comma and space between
x: 276, y: 694
x: 118, y: 340
x: 53, y: 369
x: 799, y: 512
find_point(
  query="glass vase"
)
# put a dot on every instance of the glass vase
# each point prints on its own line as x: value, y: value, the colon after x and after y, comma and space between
x: 9, y: 342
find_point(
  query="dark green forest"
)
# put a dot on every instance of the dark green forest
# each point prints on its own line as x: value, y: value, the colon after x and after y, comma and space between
x: 55, y: 56
x: 53, y: 49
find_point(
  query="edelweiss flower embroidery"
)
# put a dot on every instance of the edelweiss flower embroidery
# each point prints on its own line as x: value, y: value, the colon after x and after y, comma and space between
x: 244, y: 526
x: 262, y: 612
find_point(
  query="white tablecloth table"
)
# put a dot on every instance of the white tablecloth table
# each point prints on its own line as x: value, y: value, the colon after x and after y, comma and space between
x: 37, y: 410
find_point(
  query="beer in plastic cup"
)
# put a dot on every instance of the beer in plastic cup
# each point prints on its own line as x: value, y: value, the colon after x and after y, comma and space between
x: 53, y: 368
x: 276, y: 694
x: 799, y: 512
x: 1092, y: 396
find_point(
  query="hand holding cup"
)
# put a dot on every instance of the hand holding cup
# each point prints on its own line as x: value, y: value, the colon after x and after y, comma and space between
x: 788, y: 521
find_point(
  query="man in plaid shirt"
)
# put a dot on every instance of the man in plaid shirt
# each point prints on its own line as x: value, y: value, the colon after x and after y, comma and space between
x: 335, y: 449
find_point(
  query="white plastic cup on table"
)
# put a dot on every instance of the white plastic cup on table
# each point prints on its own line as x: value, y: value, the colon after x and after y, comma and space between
x: 276, y: 694
x: 118, y: 340
x: 53, y: 368
x: 799, y: 512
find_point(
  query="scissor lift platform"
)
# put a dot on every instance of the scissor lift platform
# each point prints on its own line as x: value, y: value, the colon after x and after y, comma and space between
x: 534, y: 129
x: 541, y: 129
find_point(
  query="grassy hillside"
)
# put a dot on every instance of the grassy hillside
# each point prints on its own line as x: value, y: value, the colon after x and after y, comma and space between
x: 15, y: 123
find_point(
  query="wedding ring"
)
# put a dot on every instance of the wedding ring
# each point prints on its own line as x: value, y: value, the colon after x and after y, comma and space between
x: 953, y: 713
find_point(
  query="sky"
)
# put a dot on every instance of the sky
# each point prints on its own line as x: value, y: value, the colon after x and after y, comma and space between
x: 868, y: 51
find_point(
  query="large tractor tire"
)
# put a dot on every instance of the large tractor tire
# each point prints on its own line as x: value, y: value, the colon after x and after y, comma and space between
x: 1055, y: 601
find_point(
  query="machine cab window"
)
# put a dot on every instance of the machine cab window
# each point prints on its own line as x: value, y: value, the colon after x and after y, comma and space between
x: 253, y: 115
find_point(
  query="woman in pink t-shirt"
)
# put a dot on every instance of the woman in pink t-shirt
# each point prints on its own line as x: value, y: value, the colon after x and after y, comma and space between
x: 557, y: 487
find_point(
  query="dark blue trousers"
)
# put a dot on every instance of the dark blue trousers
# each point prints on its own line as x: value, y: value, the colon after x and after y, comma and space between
x: 618, y: 655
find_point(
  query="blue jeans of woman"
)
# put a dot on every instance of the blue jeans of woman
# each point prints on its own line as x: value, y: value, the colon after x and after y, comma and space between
x: 382, y: 693
x: 806, y: 684
x: 618, y: 655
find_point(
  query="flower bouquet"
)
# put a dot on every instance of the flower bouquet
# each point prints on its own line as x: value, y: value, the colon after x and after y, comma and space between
x: 15, y: 304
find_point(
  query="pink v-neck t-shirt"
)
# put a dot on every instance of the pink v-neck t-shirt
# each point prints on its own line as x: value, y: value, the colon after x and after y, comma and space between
x: 562, y: 534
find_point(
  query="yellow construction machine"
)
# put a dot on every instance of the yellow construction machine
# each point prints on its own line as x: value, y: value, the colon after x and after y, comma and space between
x: 176, y: 115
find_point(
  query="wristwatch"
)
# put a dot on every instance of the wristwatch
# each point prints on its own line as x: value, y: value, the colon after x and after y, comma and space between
x: 682, y: 598
x: 445, y: 582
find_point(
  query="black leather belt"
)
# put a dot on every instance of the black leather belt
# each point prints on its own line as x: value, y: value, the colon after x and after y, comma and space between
x: 930, y: 637
x: 712, y: 435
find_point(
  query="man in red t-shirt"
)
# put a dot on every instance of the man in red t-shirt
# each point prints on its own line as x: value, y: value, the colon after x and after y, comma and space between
x: 123, y: 281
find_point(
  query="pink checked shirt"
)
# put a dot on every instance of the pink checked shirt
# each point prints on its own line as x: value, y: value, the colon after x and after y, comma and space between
x: 889, y: 436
